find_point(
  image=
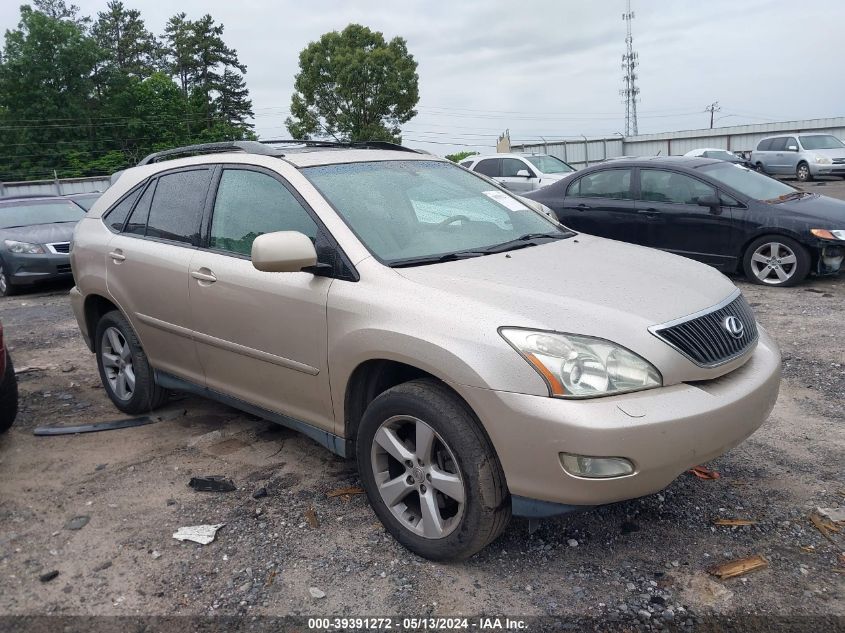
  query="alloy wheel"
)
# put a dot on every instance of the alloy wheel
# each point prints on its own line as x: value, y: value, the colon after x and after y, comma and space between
x: 3, y: 285
x: 803, y: 173
x: 418, y: 477
x: 774, y: 263
x: 117, y: 363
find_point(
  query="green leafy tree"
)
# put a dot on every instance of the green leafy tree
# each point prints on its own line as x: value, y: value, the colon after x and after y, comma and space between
x: 459, y: 156
x: 354, y: 85
x: 232, y: 107
x: 179, y: 38
x: 127, y: 45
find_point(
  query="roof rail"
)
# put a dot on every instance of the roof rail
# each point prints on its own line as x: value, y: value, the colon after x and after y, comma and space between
x: 265, y: 148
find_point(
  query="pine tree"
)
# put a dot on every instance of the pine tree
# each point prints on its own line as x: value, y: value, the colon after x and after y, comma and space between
x: 128, y: 46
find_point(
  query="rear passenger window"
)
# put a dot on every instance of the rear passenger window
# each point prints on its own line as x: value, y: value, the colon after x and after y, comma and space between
x: 137, y: 224
x: 116, y: 217
x: 764, y: 145
x: 489, y: 167
x: 177, y: 206
x: 250, y: 204
x: 611, y: 183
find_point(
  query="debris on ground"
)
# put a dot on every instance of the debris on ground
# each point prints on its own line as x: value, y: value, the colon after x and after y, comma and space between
x: 212, y: 483
x: 824, y: 525
x: 202, y: 534
x: 704, y: 473
x: 93, y: 428
x: 344, y: 492
x: 311, y: 517
x: 50, y: 575
x: 77, y: 523
x: 317, y: 594
x: 270, y: 578
x: 32, y: 368
x: 837, y: 515
x: 734, y: 522
x: 155, y: 554
x: 738, y: 567
x: 261, y: 492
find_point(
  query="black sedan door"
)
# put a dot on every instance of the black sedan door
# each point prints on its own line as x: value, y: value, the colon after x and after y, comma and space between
x: 686, y: 216
x: 602, y: 203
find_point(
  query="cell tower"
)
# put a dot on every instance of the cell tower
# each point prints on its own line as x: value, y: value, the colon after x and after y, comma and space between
x: 629, y: 65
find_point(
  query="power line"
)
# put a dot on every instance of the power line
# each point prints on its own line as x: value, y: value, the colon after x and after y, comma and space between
x: 712, y: 109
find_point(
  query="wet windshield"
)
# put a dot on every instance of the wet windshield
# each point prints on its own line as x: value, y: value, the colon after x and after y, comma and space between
x: 748, y: 182
x: 549, y: 164
x: 27, y: 213
x: 419, y: 210
x: 821, y: 141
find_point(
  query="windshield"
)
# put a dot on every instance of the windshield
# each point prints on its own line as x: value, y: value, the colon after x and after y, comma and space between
x: 404, y: 210
x: 748, y: 182
x: 549, y: 164
x: 721, y: 155
x: 821, y: 141
x: 87, y: 201
x: 23, y: 213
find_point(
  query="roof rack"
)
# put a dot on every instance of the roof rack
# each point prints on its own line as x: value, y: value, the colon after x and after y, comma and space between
x: 265, y: 148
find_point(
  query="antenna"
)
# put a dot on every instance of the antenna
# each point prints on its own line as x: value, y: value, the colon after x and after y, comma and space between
x: 629, y: 80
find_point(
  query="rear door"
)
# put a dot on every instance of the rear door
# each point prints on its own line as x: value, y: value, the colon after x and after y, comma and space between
x: 510, y: 179
x: 676, y: 223
x: 602, y: 203
x: 147, y: 268
x: 777, y: 159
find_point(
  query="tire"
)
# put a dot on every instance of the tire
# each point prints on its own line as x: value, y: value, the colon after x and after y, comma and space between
x: 803, y: 173
x: 7, y: 288
x: 463, y: 462
x: 117, y: 348
x: 8, y: 396
x: 791, y: 259
x: 759, y: 167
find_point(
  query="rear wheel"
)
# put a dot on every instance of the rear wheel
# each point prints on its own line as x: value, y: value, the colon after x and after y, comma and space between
x: 124, y: 369
x: 776, y: 260
x: 430, y: 472
x: 759, y: 167
x: 803, y: 172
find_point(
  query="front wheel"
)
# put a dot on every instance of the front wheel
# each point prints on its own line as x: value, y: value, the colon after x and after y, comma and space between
x: 7, y: 288
x: 430, y: 473
x: 776, y: 260
x: 803, y: 173
x: 124, y: 369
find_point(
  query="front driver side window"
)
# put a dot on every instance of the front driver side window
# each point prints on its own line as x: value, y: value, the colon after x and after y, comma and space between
x: 249, y: 204
x: 657, y: 185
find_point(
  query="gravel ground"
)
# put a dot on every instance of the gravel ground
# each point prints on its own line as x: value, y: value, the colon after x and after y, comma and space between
x: 640, y: 564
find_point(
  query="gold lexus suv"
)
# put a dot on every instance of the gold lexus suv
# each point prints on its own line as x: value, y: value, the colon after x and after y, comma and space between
x: 476, y: 358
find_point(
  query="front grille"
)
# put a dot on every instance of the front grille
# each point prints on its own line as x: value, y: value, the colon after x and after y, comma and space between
x: 60, y: 247
x: 705, y: 339
x: 63, y: 268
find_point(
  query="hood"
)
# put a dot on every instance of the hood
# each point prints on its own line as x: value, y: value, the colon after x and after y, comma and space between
x: 828, y: 213
x: 40, y: 233
x: 585, y: 285
x: 836, y: 152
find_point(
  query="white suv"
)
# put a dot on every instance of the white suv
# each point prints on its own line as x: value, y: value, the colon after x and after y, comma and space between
x: 520, y: 172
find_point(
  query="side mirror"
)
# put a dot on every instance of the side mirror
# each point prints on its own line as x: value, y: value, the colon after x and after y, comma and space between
x: 283, y: 252
x: 524, y: 173
x: 708, y: 201
x: 792, y: 148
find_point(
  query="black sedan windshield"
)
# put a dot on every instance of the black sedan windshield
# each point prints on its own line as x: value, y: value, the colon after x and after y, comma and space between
x: 748, y: 182
x: 31, y: 212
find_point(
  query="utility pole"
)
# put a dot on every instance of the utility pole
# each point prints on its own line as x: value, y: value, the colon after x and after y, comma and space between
x: 713, y: 108
x: 629, y: 81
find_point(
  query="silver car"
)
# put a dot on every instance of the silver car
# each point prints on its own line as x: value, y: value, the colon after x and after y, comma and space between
x: 520, y: 172
x: 805, y: 156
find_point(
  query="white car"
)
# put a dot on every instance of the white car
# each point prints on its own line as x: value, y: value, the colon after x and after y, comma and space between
x: 520, y: 172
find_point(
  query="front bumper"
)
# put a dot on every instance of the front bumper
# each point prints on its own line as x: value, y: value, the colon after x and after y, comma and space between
x: 24, y: 268
x: 663, y: 431
x: 819, y: 169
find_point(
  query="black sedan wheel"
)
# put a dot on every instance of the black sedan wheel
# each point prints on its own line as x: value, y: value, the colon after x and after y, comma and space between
x: 776, y: 260
x: 7, y: 289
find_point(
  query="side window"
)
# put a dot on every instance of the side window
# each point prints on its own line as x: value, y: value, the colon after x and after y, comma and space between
x: 466, y: 164
x: 116, y: 217
x: 764, y: 145
x: 489, y: 167
x: 249, y: 204
x: 177, y: 206
x: 667, y: 186
x: 510, y: 166
x: 791, y: 142
x: 137, y: 224
x: 610, y: 183
x: 574, y: 189
x: 778, y: 144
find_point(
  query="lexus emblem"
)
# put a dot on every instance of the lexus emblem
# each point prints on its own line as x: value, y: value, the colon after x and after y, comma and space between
x: 734, y: 326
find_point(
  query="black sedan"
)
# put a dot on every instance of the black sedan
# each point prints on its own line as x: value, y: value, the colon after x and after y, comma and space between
x: 719, y: 213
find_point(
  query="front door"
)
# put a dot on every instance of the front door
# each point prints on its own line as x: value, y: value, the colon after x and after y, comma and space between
x: 678, y: 224
x: 510, y: 178
x: 261, y: 337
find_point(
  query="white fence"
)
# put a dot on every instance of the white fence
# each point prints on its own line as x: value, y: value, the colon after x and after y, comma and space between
x: 54, y: 187
x: 583, y: 151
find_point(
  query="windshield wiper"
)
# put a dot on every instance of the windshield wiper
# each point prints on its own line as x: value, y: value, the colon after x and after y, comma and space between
x: 523, y: 241
x: 435, y: 259
x: 793, y: 195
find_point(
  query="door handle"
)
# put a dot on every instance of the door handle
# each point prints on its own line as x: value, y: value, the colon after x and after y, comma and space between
x: 117, y: 256
x: 650, y: 212
x: 583, y: 207
x: 203, y: 276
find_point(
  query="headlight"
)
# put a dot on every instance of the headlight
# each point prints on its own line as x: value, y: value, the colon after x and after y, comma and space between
x: 24, y: 247
x: 825, y: 234
x: 823, y: 160
x: 576, y: 366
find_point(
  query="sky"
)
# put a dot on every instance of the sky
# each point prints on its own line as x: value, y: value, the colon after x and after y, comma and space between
x: 547, y: 68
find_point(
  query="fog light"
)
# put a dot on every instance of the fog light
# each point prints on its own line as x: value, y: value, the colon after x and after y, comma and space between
x: 596, y: 467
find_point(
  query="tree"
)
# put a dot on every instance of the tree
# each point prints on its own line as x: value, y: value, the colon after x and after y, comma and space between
x: 459, y: 156
x: 354, y: 85
x: 179, y: 36
x: 233, y: 107
x: 127, y: 44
